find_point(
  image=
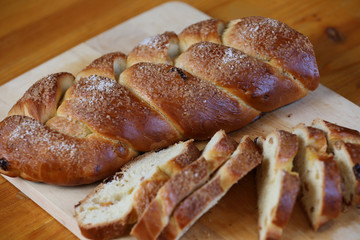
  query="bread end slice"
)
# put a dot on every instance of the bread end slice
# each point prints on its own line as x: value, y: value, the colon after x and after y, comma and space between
x: 113, y: 206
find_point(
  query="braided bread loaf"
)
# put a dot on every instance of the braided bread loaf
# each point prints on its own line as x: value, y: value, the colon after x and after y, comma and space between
x: 212, y: 76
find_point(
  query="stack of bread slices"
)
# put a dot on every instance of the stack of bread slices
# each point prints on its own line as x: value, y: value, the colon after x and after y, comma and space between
x: 161, y: 194
x: 321, y: 161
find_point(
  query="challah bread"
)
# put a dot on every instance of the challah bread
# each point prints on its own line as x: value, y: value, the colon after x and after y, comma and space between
x: 345, y: 144
x: 115, y: 112
x: 151, y: 105
x: 319, y: 174
x: 99, y: 220
x: 254, y: 83
x: 205, y: 31
x: 57, y: 158
x: 156, y: 215
x: 197, y: 110
x: 161, y: 48
x: 277, y: 185
x: 276, y: 44
x: 109, y: 65
x: 245, y: 158
x: 41, y: 100
x: 113, y: 206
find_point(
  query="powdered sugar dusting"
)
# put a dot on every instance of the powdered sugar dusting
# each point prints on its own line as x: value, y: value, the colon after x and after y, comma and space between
x: 160, y: 48
x: 43, y: 90
x: 198, y: 107
x: 276, y: 43
x: 156, y: 42
x: 253, y: 81
x: 41, y: 152
x: 110, y: 109
x: 230, y: 56
x: 102, y: 86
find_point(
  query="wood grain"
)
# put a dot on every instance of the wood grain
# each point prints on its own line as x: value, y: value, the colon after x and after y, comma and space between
x: 32, y: 32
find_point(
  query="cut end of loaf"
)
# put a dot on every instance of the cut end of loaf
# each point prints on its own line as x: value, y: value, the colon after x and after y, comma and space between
x: 113, y: 204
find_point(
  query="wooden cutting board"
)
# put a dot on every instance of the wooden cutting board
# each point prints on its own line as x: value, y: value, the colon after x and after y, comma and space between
x: 235, y: 216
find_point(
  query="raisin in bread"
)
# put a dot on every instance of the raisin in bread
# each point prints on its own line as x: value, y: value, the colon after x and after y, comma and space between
x: 345, y: 144
x: 319, y: 174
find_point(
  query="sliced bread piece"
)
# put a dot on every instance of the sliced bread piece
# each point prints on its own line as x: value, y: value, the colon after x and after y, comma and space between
x: 347, y: 156
x: 156, y: 215
x: 277, y: 185
x: 244, y: 159
x: 319, y: 174
x: 345, y: 144
x: 114, y: 206
x: 336, y: 133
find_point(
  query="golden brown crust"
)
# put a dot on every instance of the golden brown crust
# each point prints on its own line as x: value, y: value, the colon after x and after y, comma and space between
x: 144, y: 194
x: 287, y: 148
x: 68, y: 126
x: 276, y: 43
x: 198, y: 109
x: 315, y: 137
x: 256, y: 83
x: 57, y: 158
x: 162, y: 104
x: 322, y: 195
x: 113, y: 111
x: 287, y: 199
x: 153, y: 220
x: 150, y: 188
x: 205, y: 31
x: 331, y: 191
x: 155, y: 49
x: 109, y: 65
x: 345, y: 143
x: 336, y: 132
x: 221, y: 151
x: 156, y: 216
x: 353, y: 151
x: 246, y: 156
x: 41, y: 100
x: 275, y: 174
x: 106, y: 231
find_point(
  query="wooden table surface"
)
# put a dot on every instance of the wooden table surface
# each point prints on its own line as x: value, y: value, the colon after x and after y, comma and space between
x: 34, y: 31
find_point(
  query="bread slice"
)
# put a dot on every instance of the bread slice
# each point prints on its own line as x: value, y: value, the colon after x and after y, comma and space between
x: 345, y: 144
x: 336, y: 133
x: 114, y: 206
x: 347, y: 156
x: 277, y: 185
x: 156, y: 215
x: 244, y: 159
x: 319, y: 174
